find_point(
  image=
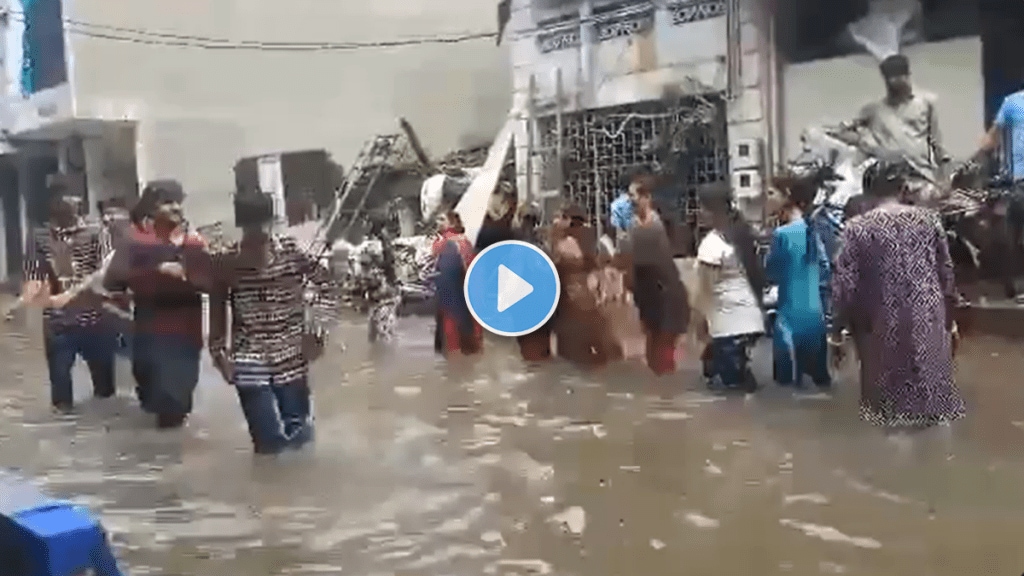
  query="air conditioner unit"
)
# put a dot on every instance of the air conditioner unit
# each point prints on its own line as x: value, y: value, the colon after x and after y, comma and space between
x: 747, y: 183
x: 745, y: 153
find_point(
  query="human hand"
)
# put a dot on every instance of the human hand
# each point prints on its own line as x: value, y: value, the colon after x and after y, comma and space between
x: 837, y: 350
x: 61, y: 300
x: 954, y: 336
x: 313, y: 346
x: 224, y: 365
x: 174, y: 269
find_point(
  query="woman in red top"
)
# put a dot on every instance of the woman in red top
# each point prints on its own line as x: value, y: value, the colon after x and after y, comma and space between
x: 456, y: 330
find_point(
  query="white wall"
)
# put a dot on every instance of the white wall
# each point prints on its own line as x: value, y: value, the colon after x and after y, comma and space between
x: 201, y: 110
x: 831, y: 91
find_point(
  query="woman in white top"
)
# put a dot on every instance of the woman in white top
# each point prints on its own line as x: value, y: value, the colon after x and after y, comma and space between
x: 732, y: 285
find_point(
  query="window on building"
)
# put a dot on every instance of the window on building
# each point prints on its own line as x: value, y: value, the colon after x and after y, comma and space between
x: 554, y: 11
x: 834, y: 28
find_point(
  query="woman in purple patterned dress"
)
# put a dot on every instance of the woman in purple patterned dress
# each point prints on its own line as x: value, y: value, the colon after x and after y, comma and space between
x: 895, y: 273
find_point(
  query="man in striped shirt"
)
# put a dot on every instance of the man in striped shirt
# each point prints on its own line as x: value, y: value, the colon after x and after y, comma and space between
x: 59, y: 257
x: 274, y: 334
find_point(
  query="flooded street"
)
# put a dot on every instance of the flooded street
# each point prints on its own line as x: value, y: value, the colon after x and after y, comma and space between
x: 490, y: 467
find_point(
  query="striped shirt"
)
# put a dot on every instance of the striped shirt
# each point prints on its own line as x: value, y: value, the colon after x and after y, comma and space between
x: 270, y: 311
x: 65, y: 257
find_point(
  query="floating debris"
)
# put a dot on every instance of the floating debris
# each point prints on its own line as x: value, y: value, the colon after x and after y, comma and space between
x: 830, y: 534
x: 813, y: 498
x: 572, y: 520
x: 712, y: 469
x: 701, y: 521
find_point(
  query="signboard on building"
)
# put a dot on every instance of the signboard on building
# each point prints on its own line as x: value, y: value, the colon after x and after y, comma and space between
x: 36, y: 64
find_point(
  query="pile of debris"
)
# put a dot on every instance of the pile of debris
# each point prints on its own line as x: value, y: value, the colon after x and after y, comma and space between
x: 455, y: 162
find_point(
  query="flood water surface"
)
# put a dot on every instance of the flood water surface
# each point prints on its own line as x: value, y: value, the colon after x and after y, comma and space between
x: 493, y: 467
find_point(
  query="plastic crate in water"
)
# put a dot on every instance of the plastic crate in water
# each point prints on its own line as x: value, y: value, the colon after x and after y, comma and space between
x: 40, y: 536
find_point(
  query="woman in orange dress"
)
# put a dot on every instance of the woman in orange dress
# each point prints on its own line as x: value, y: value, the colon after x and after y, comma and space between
x: 456, y: 331
x: 581, y: 332
x: 535, y: 346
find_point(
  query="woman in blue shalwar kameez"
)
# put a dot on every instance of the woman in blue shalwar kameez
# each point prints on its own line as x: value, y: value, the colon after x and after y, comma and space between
x: 798, y: 264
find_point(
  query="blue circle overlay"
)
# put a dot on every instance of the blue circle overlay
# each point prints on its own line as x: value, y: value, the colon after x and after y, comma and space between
x: 531, y: 265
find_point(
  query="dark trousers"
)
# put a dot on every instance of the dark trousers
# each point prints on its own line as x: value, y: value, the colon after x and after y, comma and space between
x: 166, y: 371
x: 726, y: 363
x: 279, y: 416
x: 64, y: 345
x: 1011, y: 258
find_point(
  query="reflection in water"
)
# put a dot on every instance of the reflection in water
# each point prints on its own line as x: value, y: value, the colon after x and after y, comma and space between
x: 490, y: 467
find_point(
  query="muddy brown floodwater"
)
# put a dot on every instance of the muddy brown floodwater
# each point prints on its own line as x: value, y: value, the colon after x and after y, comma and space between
x: 491, y: 467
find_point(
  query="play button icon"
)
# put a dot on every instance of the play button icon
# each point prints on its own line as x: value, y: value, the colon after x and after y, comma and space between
x: 512, y: 288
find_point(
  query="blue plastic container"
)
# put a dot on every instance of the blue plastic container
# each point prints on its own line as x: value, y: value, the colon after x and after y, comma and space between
x: 40, y: 536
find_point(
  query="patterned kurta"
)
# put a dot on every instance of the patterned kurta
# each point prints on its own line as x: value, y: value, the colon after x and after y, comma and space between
x: 66, y: 257
x: 895, y: 273
x: 271, y: 312
x: 377, y: 292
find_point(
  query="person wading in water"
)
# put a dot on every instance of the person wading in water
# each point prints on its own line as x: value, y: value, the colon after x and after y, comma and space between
x: 167, y: 268
x: 732, y: 283
x: 274, y: 333
x: 799, y: 265
x: 456, y: 331
x: 658, y: 292
x: 59, y: 257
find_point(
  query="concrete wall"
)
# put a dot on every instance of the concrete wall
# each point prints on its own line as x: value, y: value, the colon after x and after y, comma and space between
x: 831, y: 91
x: 201, y: 110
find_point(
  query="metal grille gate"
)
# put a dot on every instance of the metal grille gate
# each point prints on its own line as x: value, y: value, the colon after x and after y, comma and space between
x: 684, y: 140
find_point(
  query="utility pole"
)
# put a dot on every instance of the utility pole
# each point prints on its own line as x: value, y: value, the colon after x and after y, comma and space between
x: 588, y: 39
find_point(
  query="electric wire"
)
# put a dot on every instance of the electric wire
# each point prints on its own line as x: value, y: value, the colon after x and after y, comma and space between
x: 180, y: 40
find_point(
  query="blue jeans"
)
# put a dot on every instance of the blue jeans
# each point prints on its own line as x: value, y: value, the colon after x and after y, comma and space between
x: 95, y: 345
x: 279, y: 415
x: 727, y: 363
x: 166, y: 370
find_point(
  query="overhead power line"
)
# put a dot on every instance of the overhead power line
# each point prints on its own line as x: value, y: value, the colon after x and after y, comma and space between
x: 284, y: 46
x: 174, y: 39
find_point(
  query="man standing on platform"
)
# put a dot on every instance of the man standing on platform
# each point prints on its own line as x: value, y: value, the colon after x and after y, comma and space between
x: 1007, y: 131
x: 902, y: 126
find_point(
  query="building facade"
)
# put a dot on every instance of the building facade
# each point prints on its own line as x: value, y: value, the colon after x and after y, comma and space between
x: 114, y: 94
x: 612, y: 70
x: 683, y: 87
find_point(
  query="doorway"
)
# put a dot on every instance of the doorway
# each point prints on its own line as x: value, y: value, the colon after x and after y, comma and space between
x: 1002, y: 53
x: 13, y: 253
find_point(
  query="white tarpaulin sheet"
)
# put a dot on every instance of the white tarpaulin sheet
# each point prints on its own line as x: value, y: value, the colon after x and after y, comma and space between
x: 881, y: 31
x: 472, y: 207
x: 431, y: 194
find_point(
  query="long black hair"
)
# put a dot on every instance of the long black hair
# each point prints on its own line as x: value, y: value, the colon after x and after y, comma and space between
x: 379, y: 230
x: 802, y: 192
x: 740, y: 235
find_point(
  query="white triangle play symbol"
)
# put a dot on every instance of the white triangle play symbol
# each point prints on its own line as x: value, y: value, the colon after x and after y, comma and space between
x: 511, y: 288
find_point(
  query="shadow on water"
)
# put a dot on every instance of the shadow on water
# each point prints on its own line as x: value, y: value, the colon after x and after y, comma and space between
x: 488, y: 466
